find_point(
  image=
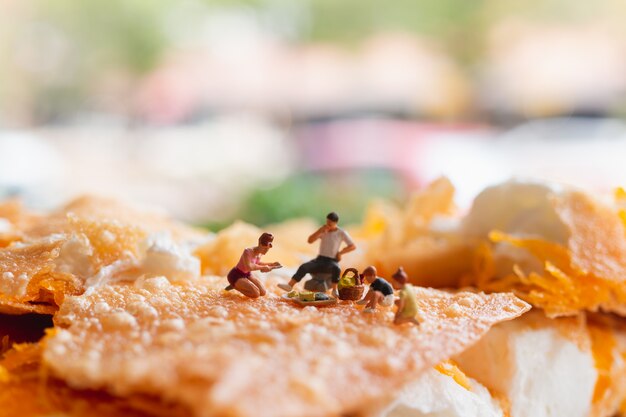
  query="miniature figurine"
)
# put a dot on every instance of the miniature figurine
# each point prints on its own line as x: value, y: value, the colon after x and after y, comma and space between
x: 331, y: 236
x: 407, y: 303
x: 240, y: 277
x: 380, y: 291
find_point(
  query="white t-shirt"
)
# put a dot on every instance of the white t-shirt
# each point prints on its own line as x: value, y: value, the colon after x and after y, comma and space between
x: 331, y: 241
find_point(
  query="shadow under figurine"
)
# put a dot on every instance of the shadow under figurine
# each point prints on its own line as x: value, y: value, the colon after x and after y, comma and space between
x: 240, y: 277
x: 324, y: 269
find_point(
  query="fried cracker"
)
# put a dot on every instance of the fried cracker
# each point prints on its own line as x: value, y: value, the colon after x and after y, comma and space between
x: 111, y: 240
x: 221, y: 354
x: 587, y: 273
x: 597, y: 240
x: 17, y: 218
x: 108, y: 232
x: 22, y: 268
x: 26, y: 391
x: 9, y: 306
x: 107, y: 210
x: 405, y: 237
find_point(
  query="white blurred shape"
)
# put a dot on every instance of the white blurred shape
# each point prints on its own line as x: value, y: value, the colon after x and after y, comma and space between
x: 542, y: 70
x: 232, y: 150
x: 27, y: 161
x: 438, y: 395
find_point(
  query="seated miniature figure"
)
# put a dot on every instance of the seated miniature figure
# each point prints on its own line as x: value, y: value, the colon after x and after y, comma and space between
x: 240, y: 277
x: 325, y: 268
x: 407, y: 303
x: 380, y: 291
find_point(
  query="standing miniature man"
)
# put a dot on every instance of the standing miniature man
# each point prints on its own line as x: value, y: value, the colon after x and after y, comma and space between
x: 331, y: 236
x: 240, y: 277
x: 380, y: 291
x: 407, y: 303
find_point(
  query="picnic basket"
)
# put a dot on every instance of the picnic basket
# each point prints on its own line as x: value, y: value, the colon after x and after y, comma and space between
x: 352, y: 292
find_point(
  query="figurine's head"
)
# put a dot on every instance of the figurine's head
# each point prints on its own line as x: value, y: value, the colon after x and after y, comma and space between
x: 400, y: 278
x: 265, y: 242
x: 332, y: 219
x: 370, y: 274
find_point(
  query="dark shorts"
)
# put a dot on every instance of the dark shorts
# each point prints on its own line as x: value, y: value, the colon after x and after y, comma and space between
x: 321, y: 264
x: 236, y: 274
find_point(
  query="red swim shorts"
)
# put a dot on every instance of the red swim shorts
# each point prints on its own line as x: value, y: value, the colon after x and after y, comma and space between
x: 236, y: 274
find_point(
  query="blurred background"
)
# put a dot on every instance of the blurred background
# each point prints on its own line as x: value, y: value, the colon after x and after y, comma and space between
x: 271, y: 109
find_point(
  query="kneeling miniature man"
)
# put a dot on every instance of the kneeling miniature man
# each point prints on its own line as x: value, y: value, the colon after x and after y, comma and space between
x: 407, y: 303
x: 240, y: 277
x: 380, y: 291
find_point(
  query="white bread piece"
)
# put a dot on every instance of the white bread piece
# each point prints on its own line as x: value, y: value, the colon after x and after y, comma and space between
x: 437, y: 395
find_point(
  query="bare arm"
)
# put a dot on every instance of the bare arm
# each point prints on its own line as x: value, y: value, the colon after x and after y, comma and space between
x: 253, y: 266
x: 271, y: 264
x: 317, y: 234
x: 347, y: 249
x: 350, y: 246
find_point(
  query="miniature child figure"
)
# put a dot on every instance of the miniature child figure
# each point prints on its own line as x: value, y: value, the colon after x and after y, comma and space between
x: 331, y: 236
x: 407, y: 303
x: 380, y: 291
x: 240, y: 277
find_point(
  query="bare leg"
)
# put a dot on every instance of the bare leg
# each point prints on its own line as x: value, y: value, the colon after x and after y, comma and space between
x: 258, y: 284
x: 375, y: 299
x: 247, y: 288
x: 289, y: 286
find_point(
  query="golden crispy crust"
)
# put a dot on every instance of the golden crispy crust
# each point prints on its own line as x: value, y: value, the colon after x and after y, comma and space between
x: 100, y: 209
x: 19, y: 219
x: 597, y: 240
x: 221, y: 354
x: 26, y: 391
x: 8, y: 306
x: 395, y: 237
x: 29, y: 281
x: 25, y: 262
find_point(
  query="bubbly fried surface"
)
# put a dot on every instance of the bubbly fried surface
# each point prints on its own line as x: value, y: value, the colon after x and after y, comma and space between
x: 597, y: 240
x: 27, y: 392
x: 17, y: 218
x: 221, y: 354
x: 109, y: 210
x: 29, y: 279
x: 19, y: 264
